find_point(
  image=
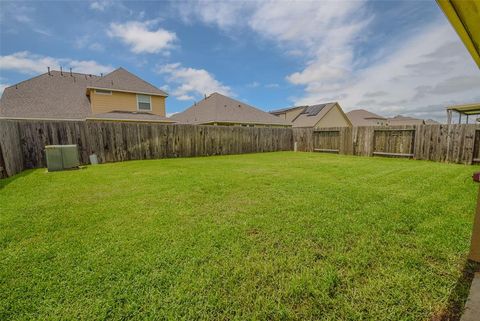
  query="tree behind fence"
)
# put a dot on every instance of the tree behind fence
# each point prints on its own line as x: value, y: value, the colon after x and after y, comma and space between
x: 22, y: 142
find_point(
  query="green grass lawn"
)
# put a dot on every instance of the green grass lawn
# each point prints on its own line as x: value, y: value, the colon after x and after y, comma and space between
x: 273, y: 236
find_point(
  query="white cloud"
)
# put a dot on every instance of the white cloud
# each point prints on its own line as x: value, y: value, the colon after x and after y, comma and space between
x: 101, y: 5
x: 223, y: 14
x: 141, y: 39
x: 419, y: 74
x: 253, y: 84
x: 28, y: 63
x: 325, y: 33
x: 417, y: 78
x: 192, y: 82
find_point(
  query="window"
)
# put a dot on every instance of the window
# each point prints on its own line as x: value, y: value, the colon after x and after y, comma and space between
x: 103, y: 92
x: 144, y: 103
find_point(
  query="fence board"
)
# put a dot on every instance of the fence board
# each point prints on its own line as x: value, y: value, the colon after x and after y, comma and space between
x: 326, y: 140
x: 396, y: 142
x: 11, y: 155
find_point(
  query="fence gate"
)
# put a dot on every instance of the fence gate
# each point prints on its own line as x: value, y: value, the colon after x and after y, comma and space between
x: 327, y: 141
x: 394, y: 142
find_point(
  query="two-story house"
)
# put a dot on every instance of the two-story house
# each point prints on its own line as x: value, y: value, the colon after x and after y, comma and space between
x: 60, y: 95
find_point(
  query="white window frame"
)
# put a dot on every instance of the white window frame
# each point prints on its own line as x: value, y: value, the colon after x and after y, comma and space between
x: 138, y: 102
x: 103, y: 92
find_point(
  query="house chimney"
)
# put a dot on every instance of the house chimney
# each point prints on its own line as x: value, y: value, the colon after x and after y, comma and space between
x: 71, y: 72
x: 101, y: 74
x: 48, y: 68
x: 205, y: 95
x: 61, y: 71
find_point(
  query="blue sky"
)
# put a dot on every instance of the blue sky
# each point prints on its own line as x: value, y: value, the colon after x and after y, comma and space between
x: 390, y: 57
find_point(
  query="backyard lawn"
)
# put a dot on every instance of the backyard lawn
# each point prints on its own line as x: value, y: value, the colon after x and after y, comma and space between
x: 272, y: 236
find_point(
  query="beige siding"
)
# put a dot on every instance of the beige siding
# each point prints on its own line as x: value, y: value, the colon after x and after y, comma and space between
x: 124, y: 102
x: 334, y: 118
x: 290, y: 115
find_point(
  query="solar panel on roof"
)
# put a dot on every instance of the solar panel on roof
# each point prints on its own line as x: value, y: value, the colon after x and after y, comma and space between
x: 313, y: 110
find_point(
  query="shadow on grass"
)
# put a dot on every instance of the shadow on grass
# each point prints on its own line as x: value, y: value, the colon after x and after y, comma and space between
x: 5, y: 181
x: 458, y: 297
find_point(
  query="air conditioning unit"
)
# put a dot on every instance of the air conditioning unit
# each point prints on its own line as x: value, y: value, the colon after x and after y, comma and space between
x: 61, y: 157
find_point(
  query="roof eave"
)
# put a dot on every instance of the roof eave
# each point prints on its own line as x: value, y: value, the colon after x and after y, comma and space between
x: 131, y: 120
x: 127, y: 91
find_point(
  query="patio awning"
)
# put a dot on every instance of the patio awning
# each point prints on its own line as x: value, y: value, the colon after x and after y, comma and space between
x: 467, y: 109
x: 464, y: 16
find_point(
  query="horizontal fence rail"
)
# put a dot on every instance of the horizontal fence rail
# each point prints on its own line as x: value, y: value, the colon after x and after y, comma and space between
x: 22, y: 142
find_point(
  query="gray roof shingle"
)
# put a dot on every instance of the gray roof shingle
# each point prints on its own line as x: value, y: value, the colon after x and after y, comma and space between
x: 362, y: 117
x: 123, y: 80
x: 52, y: 96
x: 222, y: 109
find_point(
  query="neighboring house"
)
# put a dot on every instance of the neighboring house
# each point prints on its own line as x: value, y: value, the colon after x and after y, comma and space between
x: 431, y: 122
x: 317, y: 116
x: 117, y: 96
x: 218, y: 109
x: 404, y: 120
x: 362, y: 117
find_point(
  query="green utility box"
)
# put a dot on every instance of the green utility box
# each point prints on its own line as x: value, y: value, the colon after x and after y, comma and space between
x: 61, y: 157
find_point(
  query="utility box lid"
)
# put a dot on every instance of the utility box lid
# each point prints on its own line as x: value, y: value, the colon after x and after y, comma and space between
x: 61, y: 157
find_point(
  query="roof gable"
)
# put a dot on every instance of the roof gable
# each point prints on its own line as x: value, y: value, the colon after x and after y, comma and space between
x: 220, y: 108
x: 311, y: 115
x: 123, y: 80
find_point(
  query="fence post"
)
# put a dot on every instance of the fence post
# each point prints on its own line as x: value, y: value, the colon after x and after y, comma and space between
x: 475, y: 241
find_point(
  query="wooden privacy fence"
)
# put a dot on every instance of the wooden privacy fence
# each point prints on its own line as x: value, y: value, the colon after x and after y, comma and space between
x: 22, y: 142
x: 441, y: 143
